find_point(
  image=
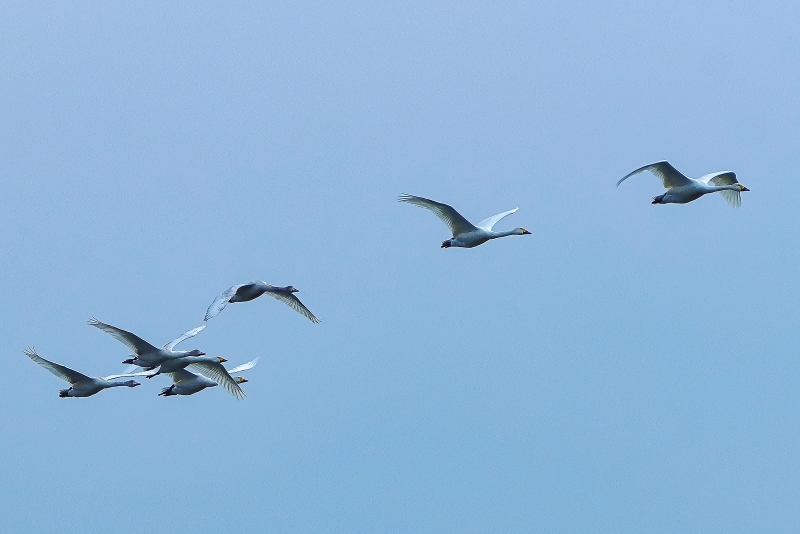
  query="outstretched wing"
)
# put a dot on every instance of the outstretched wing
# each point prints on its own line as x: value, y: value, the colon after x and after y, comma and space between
x: 294, y: 302
x: 123, y: 375
x: 221, y: 301
x: 218, y: 374
x: 734, y: 198
x: 454, y: 220
x: 137, y: 344
x: 243, y: 367
x: 64, y: 373
x: 186, y: 335
x: 489, y: 222
x: 670, y: 176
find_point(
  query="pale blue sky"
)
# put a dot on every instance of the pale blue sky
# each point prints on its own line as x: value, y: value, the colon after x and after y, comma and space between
x: 626, y: 368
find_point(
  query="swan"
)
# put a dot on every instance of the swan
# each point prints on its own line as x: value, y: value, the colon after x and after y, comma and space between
x: 253, y: 290
x: 188, y: 383
x: 465, y: 234
x: 81, y: 385
x: 682, y: 189
x: 145, y: 354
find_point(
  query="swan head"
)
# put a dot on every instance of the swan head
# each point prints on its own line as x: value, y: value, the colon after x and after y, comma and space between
x: 742, y: 188
x: 240, y: 380
x: 292, y: 289
x: 129, y: 361
x: 131, y: 383
x: 522, y: 231
x: 447, y: 244
x: 64, y: 393
x: 195, y: 352
x: 221, y: 359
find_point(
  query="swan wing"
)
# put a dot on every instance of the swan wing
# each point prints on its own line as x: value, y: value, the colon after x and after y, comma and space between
x: 294, y: 302
x: 489, y: 222
x: 733, y: 198
x: 137, y: 344
x: 64, y: 373
x: 243, y: 367
x: 218, y: 374
x: 221, y: 301
x: 670, y: 176
x: 123, y: 375
x: 454, y: 220
x: 186, y: 335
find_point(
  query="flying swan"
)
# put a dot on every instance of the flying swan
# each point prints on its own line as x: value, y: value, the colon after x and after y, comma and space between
x: 682, y: 189
x: 465, y: 234
x: 80, y: 384
x: 253, y: 290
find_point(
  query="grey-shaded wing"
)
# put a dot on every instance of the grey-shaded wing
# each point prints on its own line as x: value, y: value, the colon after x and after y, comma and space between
x: 221, y: 301
x: 670, y: 176
x: 137, y: 344
x: 64, y: 373
x: 294, y: 302
x: 454, y: 220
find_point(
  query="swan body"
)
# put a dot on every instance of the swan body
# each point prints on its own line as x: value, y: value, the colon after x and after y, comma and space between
x: 80, y: 384
x: 465, y: 234
x: 253, y: 290
x: 188, y: 383
x: 145, y: 354
x: 682, y: 189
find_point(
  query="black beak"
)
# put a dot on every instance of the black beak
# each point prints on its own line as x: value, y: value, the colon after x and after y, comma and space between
x: 525, y: 232
x: 745, y: 189
x: 128, y: 361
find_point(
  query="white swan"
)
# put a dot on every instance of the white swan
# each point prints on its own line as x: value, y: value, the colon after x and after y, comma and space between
x: 145, y: 354
x: 682, y: 189
x: 187, y: 383
x: 253, y: 290
x: 81, y: 385
x: 465, y: 234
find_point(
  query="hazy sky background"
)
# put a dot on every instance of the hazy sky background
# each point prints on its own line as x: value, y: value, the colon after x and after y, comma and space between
x: 626, y: 368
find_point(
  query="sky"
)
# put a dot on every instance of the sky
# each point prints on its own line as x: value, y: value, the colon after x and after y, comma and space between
x: 625, y: 368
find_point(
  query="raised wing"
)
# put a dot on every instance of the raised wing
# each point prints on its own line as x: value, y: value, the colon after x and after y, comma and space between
x: 218, y: 374
x: 489, y: 222
x: 221, y: 301
x: 294, y: 302
x: 721, y: 178
x: 137, y: 344
x: 734, y: 198
x: 670, y: 176
x: 64, y: 373
x: 454, y: 220
x: 243, y: 367
x: 186, y: 335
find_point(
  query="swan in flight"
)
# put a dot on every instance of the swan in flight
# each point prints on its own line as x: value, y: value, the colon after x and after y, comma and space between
x: 465, y: 234
x: 145, y: 354
x: 188, y: 383
x: 253, y: 290
x: 81, y: 385
x: 682, y: 189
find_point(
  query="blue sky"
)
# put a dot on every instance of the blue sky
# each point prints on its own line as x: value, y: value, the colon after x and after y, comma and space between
x: 626, y: 368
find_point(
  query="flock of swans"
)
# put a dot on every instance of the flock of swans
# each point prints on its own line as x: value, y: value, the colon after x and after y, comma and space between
x: 209, y: 370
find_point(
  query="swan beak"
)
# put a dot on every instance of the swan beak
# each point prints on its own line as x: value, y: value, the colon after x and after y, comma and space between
x: 525, y: 232
x: 222, y: 360
x: 744, y: 188
x: 129, y: 361
x: 135, y: 384
x: 241, y: 380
